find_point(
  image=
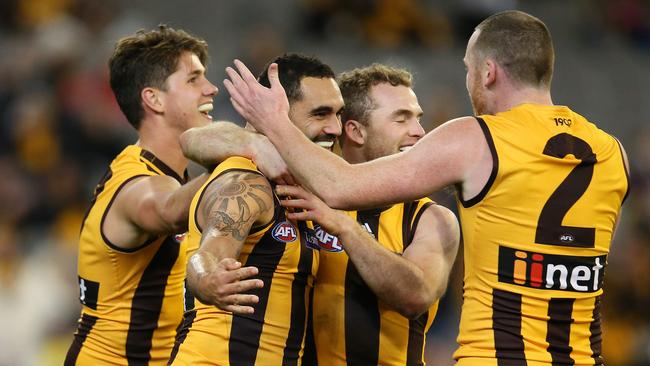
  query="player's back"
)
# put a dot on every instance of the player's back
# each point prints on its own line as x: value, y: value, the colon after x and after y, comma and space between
x: 537, y: 239
x: 132, y: 299
x: 350, y: 324
x: 275, y: 332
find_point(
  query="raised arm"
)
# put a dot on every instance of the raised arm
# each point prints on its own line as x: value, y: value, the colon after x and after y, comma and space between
x: 214, y: 143
x: 230, y: 206
x: 443, y: 157
x: 410, y: 283
x: 149, y: 206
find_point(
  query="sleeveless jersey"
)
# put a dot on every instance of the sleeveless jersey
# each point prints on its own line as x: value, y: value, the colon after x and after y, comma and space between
x: 274, y: 334
x: 350, y: 325
x: 132, y: 299
x: 537, y: 238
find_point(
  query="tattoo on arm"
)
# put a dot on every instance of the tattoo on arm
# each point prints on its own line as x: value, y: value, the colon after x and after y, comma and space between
x: 232, y: 206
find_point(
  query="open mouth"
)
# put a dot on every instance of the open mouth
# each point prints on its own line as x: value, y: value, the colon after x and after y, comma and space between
x: 404, y: 148
x: 205, y: 109
x: 326, y: 144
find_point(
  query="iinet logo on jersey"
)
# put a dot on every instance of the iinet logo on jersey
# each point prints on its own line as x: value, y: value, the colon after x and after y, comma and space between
x: 551, y: 272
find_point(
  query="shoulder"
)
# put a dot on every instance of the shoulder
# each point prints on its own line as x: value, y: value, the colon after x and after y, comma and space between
x: 439, y: 214
x: 241, y: 195
x: 440, y: 221
x: 239, y: 186
x: 234, y: 182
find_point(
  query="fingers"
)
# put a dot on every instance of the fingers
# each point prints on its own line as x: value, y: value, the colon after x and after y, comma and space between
x: 238, y: 309
x: 247, y: 75
x: 240, y: 304
x: 240, y: 274
x: 301, y: 216
x: 230, y: 263
x: 294, y: 191
x: 240, y: 287
x: 234, y: 272
x: 238, y: 107
x: 295, y: 203
x: 236, y: 79
x: 232, y: 89
x: 274, y: 78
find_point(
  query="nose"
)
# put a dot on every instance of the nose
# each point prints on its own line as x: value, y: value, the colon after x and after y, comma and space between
x: 332, y: 126
x: 416, y: 129
x: 211, y: 89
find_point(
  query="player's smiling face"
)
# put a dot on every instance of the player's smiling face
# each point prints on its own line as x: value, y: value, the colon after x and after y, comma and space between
x: 394, y: 123
x: 188, y: 94
x: 318, y: 111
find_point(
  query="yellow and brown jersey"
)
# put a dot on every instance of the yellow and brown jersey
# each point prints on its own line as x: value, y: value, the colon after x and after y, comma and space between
x: 537, y: 238
x: 274, y: 334
x: 132, y: 299
x: 350, y: 325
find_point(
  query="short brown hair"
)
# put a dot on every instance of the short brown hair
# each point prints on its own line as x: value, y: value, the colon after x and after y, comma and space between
x: 520, y: 43
x: 146, y: 59
x: 355, y: 88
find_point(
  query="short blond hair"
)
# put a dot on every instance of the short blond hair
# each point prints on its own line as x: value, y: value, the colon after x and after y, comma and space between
x: 355, y: 88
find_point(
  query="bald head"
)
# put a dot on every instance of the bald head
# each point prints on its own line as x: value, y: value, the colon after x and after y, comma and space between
x: 520, y: 43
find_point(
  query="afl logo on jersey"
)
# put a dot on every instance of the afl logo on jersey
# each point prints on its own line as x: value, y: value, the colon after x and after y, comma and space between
x: 327, y: 241
x: 284, y: 232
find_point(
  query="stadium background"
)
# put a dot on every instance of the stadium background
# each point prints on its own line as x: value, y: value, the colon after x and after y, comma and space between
x: 59, y: 125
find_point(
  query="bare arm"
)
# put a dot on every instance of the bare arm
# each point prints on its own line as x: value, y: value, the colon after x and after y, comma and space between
x: 149, y: 206
x: 214, y: 143
x: 230, y: 206
x: 410, y: 283
x: 444, y: 156
x: 433, y: 251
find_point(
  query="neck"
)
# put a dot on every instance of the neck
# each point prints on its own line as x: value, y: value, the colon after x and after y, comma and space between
x: 352, y: 154
x: 524, y: 95
x: 163, y: 142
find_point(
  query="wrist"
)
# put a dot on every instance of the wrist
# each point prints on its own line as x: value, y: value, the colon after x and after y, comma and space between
x: 281, y: 129
x: 197, y: 275
x: 255, y: 146
x: 346, y: 225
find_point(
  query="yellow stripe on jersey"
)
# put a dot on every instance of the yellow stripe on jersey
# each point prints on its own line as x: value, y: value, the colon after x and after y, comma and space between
x: 350, y: 325
x: 537, y: 238
x: 275, y: 332
x: 132, y: 299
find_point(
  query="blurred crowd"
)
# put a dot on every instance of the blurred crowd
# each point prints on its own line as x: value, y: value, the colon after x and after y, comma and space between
x: 60, y: 127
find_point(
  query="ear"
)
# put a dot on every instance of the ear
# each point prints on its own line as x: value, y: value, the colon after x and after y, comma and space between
x: 489, y: 73
x: 355, y: 131
x: 153, y: 99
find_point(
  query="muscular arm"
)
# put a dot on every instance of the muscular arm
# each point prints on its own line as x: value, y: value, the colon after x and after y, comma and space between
x: 214, y: 143
x: 410, y: 283
x: 149, y: 206
x: 230, y: 206
x: 448, y: 155
x: 433, y: 251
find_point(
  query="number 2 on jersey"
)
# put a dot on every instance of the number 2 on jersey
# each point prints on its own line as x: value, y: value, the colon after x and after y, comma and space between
x: 549, y: 226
